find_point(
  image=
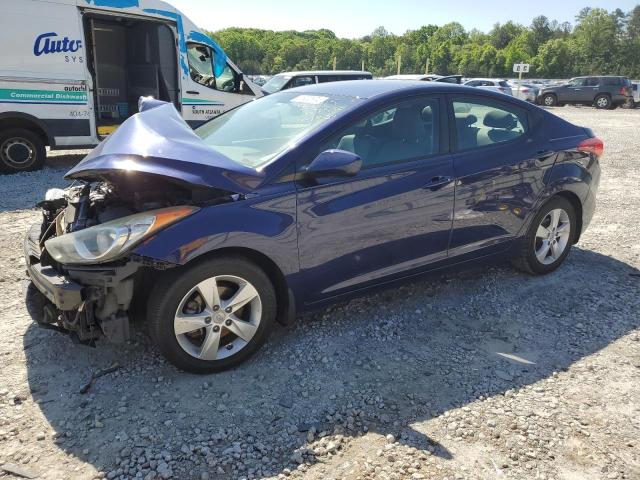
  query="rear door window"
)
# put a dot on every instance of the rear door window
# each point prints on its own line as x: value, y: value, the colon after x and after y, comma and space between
x: 480, y: 122
x: 593, y: 82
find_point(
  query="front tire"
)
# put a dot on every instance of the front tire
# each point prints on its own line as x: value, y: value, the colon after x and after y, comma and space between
x: 212, y: 316
x: 549, y: 238
x: 21, y: 150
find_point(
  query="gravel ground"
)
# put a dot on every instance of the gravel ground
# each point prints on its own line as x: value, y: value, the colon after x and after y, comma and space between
x: 484, y: 374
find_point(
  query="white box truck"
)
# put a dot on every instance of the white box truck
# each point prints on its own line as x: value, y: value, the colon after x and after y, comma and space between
x: 71, y: 71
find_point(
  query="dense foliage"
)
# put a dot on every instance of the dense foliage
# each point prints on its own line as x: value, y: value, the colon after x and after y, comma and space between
x: 600, y: 42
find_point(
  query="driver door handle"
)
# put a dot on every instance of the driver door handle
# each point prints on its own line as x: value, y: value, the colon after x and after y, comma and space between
x: 438, y: 181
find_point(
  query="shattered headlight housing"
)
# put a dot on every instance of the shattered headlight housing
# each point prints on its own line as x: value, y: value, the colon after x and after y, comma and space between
x: 107, y: 241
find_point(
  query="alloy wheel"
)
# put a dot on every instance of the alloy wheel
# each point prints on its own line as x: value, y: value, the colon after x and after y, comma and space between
x: 552, y: 236
x: 218, y: 317
x: 602, y: 102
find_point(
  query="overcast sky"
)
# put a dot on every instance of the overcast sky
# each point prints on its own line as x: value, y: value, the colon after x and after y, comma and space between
x: 356, y: 18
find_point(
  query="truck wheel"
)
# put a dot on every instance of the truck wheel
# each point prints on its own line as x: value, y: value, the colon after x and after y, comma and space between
x: 212, y: 316
x: 549, y: 100
x: 603, y: 102
x: 21, y: 150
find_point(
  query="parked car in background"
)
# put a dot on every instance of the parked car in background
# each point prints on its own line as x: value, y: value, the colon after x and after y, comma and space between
x: 286, y: 80
x: 457, y: 79
x: 525, y: 91
x: 636, y: 95
x: 300, y: 199
x: 599, y: 91
x: 72, y: 71
x: 493, y: 84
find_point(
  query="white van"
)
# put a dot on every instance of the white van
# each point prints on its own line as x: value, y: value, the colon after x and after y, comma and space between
x: 71, y: 71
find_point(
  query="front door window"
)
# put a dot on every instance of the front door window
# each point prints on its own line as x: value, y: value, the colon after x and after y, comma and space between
x: 201, y: 70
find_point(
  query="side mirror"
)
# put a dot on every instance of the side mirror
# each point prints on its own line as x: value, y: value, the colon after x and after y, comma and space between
x: 334, y: 163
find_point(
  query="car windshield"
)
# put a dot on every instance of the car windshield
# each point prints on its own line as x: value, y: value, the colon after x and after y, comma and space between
x: 276, y: 83
x: 257, y: 132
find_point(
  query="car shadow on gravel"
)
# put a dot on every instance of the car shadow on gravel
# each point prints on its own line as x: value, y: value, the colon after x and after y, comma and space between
x: 381, y: 363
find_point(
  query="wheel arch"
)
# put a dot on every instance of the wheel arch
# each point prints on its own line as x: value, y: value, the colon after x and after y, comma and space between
x: 284, y: 297
x: 11, y: 120
x: 575, y: 202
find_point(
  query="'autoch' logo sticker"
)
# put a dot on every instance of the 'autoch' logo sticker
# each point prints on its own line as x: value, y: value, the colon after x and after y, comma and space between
x: 47, y: 43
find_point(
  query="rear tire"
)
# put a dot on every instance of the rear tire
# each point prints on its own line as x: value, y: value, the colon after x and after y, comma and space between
x: 21, y: 150
x: 545, y: 246
x: 603, y: 102
x: 195, y: 331
x: 549, y: 100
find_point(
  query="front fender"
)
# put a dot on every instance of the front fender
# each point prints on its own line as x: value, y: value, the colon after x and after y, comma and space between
x: 266, y: 226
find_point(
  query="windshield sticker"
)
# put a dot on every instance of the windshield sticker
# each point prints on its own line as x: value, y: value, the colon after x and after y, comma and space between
x: 310, y: 99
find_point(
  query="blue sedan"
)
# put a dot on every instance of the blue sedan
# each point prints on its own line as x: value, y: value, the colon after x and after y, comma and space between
x: 297, y: 200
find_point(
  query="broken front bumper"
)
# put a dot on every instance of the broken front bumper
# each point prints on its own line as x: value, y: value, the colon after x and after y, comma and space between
x: 91, y: 301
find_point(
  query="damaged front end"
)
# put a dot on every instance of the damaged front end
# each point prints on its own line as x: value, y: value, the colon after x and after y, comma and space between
x: 81, y: 259
x: 151, y: 173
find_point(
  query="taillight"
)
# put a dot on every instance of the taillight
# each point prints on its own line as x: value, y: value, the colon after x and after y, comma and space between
x: 592, y: 145
x: 525, y: 90
x: 623, y: 91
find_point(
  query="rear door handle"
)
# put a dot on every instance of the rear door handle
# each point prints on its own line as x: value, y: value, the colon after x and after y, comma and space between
x: 438, y: 181
x: 193, y: 92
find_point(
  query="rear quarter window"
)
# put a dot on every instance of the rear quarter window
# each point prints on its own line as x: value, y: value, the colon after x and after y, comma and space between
x: 612, y: 81
x: 503, y: 84
x: 480, y: 122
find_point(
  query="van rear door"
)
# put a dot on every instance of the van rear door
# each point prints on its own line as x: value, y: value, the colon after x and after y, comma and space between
x: 129, y: 57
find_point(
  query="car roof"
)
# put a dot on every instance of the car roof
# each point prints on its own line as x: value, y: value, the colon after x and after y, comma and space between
x: 326, y: 72
x: 375, y: 88
x: 601, y: 76
x: 409, y: 77
x: 487, y: 79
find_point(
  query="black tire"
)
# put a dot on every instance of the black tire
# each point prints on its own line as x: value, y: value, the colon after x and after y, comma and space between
x: 549, y: 100
x: 21, y: 150
x: 603, y: 102
x: 525, y: 258
x: 168, y: 293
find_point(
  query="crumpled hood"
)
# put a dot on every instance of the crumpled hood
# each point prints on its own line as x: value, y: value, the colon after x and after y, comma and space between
x: 159, y: 142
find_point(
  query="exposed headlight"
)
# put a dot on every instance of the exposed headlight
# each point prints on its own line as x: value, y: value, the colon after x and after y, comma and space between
x: 107, y: 241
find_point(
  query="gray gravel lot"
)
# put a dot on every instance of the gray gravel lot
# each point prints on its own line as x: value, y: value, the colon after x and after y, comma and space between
x: 483, y: 374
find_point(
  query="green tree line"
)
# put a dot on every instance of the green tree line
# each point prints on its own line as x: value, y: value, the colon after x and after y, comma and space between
x: 600, y: 42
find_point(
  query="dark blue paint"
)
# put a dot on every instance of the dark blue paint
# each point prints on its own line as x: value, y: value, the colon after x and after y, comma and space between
x: 331, y: 237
